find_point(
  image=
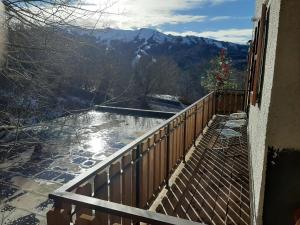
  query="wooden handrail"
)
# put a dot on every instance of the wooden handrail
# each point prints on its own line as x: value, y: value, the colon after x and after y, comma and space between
x: 121, y: 210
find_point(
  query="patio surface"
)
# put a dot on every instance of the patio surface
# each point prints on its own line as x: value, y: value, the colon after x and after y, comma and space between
x: 213, y: 185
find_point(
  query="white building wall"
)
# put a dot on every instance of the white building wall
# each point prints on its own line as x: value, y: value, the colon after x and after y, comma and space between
x: 258, y: 116
x: 284, y: 125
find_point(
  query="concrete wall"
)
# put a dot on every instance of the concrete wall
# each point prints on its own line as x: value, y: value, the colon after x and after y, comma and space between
x: 258, y: 116
x: 275, y: 123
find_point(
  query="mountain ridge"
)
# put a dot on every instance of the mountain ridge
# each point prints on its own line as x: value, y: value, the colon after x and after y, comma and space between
x: 112, y: 34
x: 186, y: 50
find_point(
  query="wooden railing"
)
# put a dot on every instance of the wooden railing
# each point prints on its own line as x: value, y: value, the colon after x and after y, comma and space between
x: 229, y: 101
x: 121, y: 188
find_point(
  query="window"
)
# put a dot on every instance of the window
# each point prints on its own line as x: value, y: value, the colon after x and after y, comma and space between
x: 264, y: 49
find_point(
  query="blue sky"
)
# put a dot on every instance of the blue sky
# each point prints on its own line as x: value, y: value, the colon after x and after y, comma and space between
x: 228, y: 20
x: 233, y: 14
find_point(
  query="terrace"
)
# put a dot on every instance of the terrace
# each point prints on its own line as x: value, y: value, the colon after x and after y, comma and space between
x: 192, y: 169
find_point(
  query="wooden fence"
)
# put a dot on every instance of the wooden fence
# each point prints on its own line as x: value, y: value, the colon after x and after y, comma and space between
x: 120, y: 189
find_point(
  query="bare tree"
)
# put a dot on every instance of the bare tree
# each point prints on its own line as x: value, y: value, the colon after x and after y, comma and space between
x: 33, y: 50
x: 155, y: 76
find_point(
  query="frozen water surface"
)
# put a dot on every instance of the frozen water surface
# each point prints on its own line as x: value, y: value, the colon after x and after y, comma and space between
x: 70, y: 145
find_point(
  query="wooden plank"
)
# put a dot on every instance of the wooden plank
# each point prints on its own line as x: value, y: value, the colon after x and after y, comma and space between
x: 178, y: 138
x: 214, y: 103
x: 230, y: 104
x: 194, y: 123
x: 173, y: 145
x: 187, y: 138
x: 144, y: 175
x: 176, y: 144
x: 239, y: 102
x: 205, y: 113
x: 127, y: 184
x: 163, y: 158
x: 235, y: 102
x: 57, y: 216
x: 226, y: 103
x: 210, y: 107
x: 190, y: 128
x: 85, y: 190
x: 198, y: 121
x: 127, y: 180
x: 182, y: 144
x: 115, y: 194
x: 101, y: 192
x: 157, y: 163
x: 201, y: 118
x: 151, y: 169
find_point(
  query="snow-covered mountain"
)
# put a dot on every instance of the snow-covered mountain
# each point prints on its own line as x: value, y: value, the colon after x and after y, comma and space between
x: 186, y: 51
x: 148, y: 35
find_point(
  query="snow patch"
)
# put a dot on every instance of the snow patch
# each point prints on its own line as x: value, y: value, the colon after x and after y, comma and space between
x: 108, y: 35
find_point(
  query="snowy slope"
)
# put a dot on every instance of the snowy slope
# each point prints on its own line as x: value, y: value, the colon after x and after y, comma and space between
x: 152, y: 43
x: 147, y: 35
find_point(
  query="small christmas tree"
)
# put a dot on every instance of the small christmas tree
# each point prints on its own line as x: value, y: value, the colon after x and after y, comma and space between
x: 219, y: 72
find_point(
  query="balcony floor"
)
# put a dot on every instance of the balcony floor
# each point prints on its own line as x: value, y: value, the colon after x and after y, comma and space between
x: 213, y: 185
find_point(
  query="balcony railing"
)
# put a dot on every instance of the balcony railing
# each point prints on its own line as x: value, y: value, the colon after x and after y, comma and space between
x: 120, y: 189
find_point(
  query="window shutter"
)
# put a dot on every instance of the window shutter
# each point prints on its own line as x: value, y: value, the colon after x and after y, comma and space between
x: 263, y: 58
x: 251, y: 62
x: 258, y: 58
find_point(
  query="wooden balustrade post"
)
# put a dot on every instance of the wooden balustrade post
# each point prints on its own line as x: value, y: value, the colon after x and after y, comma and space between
x: 137, y: 175
x: 195, y: 126
x: 213, y: 104
x: 218, y: 102
x: 203, y: 110
x: 101, y: 192
x: 184, y: 137
x: 115, y: 188
x: 224, y: 102
x: 168, y: 157
x: 209, y: 109
x: 60, y: 214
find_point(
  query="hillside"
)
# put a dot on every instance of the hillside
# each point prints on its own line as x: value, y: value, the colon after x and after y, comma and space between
x: 63, y: 69
x: 187, y: 51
